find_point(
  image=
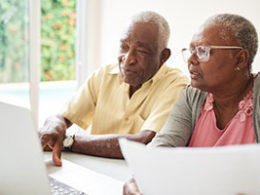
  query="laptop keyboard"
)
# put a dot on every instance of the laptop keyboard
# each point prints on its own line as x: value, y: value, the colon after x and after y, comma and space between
x: 59, y: 188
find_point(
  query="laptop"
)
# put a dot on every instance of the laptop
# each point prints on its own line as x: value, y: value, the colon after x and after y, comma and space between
x: 22, y: 167
x: 229, y: 170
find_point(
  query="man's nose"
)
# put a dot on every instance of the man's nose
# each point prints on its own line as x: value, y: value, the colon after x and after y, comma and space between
x: 130, y: 58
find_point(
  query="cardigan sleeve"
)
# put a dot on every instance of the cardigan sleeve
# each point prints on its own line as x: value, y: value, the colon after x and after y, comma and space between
x: 179, y: 126
x: 177, y: 129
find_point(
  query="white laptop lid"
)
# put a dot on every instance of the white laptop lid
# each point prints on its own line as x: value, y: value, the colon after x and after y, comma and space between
x: 22, y: 169
x: 229, y: 170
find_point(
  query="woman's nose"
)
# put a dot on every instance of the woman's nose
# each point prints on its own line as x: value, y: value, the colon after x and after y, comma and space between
x: 193, y: 59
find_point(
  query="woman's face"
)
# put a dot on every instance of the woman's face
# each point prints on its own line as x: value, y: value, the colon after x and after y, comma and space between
x: 219, y: 70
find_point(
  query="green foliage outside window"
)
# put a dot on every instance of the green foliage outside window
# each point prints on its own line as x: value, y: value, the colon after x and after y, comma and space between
x: 14, y: 37
x: 58, y: 39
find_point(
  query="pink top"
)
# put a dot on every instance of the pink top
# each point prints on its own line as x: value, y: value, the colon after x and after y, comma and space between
x: 239, y: 129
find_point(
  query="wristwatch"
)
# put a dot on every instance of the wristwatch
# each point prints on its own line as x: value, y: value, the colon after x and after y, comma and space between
x: 67, y: 142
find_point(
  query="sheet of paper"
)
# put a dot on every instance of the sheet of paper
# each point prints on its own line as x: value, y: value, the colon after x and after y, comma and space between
x: 232, y: 170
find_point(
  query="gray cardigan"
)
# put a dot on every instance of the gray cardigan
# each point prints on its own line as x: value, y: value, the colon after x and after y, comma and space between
x: 181, y: 121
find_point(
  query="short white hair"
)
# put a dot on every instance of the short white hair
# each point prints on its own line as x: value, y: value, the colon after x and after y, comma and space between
x: 159, y: 21
x: 242, y: 30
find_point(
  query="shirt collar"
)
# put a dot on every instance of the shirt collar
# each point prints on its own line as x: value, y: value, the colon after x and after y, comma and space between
x: 159, y: 74
x: 114, y: 70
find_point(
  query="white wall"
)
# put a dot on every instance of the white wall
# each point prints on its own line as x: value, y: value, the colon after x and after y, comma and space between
x: 184, y: 17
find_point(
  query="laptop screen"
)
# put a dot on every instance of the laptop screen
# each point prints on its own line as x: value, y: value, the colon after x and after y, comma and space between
x: 22, y: 169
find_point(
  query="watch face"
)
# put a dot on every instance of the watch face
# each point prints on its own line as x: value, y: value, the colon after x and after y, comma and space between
x: 68, y: 141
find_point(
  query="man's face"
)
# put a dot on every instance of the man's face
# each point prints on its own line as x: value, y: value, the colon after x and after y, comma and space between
x: 139, y: 56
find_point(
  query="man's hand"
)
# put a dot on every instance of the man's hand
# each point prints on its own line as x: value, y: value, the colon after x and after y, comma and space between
x: 52, y: 135
x: 131, y: 188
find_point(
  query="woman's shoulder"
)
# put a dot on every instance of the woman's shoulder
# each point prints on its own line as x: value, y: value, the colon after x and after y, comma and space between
x: 257, y: 79
x: 194, y: 93
x: 256, y: 87
x: 192, y: 97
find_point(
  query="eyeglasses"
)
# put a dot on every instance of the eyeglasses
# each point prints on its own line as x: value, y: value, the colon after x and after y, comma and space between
x: 203, y: 52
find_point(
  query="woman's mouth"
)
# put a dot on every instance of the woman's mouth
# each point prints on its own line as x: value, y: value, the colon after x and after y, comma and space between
x: 194, y: 75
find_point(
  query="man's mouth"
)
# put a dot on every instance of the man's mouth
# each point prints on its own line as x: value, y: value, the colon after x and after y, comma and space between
x: 127, y: 71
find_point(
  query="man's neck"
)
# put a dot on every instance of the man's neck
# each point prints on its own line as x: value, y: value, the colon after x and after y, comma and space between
x: 133, y: 89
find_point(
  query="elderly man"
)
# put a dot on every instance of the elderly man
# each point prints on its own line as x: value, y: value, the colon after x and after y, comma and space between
x: 221, y: 107
x: 131, y: 99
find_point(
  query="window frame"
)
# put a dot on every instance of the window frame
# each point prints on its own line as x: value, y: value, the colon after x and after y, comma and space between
x: 35, y: 56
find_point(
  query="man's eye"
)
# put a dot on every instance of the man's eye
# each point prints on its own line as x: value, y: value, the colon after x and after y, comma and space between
x: 142, y: 51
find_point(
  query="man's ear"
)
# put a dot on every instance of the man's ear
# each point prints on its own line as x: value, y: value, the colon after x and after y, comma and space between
x: 165, y: 54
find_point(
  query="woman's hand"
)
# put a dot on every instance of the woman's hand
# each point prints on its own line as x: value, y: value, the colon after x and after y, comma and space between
x: 131, y: 188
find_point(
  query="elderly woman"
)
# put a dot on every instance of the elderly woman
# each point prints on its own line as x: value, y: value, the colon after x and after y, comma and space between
x: 220, y: 107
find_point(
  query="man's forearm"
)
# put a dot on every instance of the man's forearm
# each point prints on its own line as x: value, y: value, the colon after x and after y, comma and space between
x: 107, y: 145
x: 98, y: 145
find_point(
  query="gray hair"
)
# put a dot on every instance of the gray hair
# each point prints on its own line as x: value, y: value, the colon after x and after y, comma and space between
x: 159, y: 21
x: 243, y: 31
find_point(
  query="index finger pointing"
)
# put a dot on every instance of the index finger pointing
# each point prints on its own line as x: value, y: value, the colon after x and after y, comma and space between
x: 56, y: 154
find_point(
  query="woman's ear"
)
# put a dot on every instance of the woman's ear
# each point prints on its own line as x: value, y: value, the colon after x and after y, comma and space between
x: 243, y: 59
x: 165, y: 54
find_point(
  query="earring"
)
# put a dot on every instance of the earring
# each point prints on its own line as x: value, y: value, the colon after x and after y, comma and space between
x: 237, y: 68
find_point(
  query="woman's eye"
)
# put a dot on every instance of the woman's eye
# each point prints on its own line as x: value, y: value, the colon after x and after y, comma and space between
x: 124, y: 47
x: 202, y: 51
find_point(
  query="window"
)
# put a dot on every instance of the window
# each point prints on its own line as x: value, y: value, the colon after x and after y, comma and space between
x: 58, y: 40
x: 14, y: 51
x: 58, y: 26
x: 18, y: 80
x: 31, y: 27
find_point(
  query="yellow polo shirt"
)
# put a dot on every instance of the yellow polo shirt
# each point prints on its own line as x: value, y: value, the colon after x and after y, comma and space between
x: 103, y: 102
